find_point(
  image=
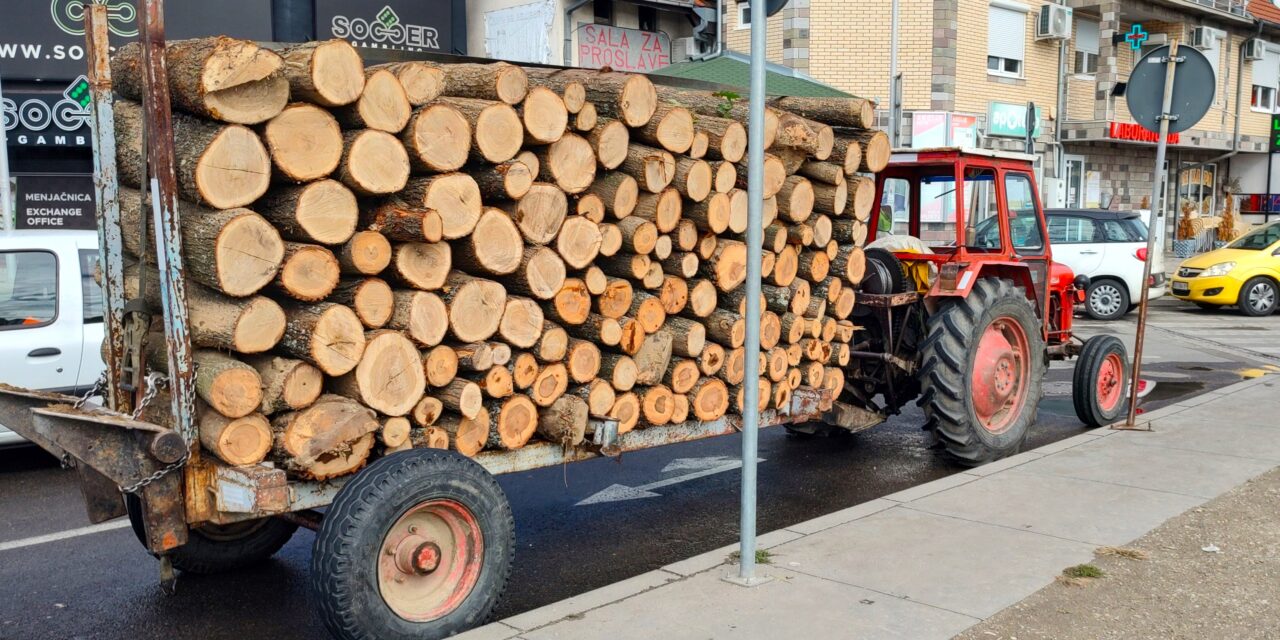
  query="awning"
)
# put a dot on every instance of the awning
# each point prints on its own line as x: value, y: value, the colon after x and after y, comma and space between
x: 734, y: 69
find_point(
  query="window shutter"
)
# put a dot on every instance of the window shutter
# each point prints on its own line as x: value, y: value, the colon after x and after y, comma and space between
x: 1087, y: 36
x: 1006, y: 33
x: 1266, y: 72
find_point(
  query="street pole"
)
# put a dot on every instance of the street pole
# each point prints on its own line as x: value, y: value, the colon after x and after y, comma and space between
x: 755, y: 214
x: 1157, y: 211
x: 894, y: 113
x: 6, y: 198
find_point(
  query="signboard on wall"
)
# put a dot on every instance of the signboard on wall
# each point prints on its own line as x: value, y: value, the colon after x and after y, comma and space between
x: 620, y: 49
x: 943, y: 129
x: 1010, y: 120
x: 54, y: 202
x: 44, y: 39
x: 399, y: 25
x: 54, y: 117
x: 1275, y: 133
x: 964, y: 130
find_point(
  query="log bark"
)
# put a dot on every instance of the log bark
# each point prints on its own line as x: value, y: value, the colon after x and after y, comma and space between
x: 236, y: 441
x: 707, y: 103
x: 287, y: 383
x: 305, y: 143
x: 437, y: 138
x: 325, y: 334
x: 653, y: 358
x: 246, y: 325
x: 389, y: 378
x: 462, y: 396
x: 858, y: 113
x: 775, y: 173
x: 373, y: 162
x: 220, y: 165
x: 382, y: 105
x: 875, y: 149
x: 618, y: 191
x: 847, y: 154
x: 599, y: 329
x: 455, y: 196
x: 690, y: 336
x: 497, y: 81
x: 726, y: 328
x: 322, y: 212
x: 233, y: 251
x: 627, y: 97
x: 404, y: 222
x: 331, y: 438
x: 565, y: 421
x: 219, y: 78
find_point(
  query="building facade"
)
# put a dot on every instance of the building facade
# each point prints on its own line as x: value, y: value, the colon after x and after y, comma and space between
x: 624, y: 35
x: 969, y: 69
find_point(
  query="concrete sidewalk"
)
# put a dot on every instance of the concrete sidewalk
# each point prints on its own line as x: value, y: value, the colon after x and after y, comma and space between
x: 935, y: 559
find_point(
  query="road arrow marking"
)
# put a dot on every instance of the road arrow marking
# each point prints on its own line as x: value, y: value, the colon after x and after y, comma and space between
x: 621, y: 492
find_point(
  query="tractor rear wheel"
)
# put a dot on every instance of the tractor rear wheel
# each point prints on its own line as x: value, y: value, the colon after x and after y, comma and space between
x: 982, y: 367
x: 1100, y: 381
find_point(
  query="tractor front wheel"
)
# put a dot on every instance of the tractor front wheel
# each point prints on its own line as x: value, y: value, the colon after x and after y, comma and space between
x: 1100, y: 381
x: 982, y: 365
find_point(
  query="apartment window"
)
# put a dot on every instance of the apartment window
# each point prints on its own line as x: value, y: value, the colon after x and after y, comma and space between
x: 1086, y: 62
x: 648, y: 18
x: 1266, y: 79
x: 1006, y: 39
x: 744, y: 15
x: 603, y: 11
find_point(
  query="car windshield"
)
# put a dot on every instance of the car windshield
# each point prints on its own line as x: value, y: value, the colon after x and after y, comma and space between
x: 1259, y: 238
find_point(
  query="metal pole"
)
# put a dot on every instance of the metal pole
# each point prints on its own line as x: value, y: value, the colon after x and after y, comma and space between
x: 1157, y: 209
x: 755, y: 214
x: 106, y: 200
x: 894, y: 127
x: 6, y: 197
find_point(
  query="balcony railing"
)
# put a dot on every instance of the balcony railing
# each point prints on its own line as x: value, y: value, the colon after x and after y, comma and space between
x: 1234, y: 7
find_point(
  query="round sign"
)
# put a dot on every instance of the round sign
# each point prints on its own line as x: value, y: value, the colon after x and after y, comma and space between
x: 773, y: 6
x: 1193, y: 89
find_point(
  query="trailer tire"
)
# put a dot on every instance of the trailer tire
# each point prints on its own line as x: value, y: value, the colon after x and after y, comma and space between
x: 418, y: 545
x: 214, y: 549
x: 980, y: 409
x: 1100, y: 381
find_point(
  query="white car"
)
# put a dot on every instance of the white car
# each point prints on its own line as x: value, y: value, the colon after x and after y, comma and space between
x: 50, y: 313
x: 1109, y: 247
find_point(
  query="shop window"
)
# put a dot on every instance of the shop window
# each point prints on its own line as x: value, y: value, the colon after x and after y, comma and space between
x: 1006, y: 40
x: 603, y: 11
x: 28, y: 289
x: 1196, y: 189
x: 1086, y: 57
x: 744, y: 15
x: 1266, y: 79
x: 648, y: 18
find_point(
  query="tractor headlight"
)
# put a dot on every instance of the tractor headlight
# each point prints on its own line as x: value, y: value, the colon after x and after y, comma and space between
x: 1220, y: 269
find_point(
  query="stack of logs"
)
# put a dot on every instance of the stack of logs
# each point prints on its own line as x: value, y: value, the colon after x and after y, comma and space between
x: 474, y: 255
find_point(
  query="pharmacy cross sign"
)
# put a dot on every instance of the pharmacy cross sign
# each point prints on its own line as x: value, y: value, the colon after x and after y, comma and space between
x: 1136, y: 36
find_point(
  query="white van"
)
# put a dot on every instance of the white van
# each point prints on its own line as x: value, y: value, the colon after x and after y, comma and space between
x: 51, y: 325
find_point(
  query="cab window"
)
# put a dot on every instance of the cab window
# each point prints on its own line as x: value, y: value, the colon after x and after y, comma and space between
x: 1024, y: 221
x: 92, y: 293
x: 28, y: 289
x: 982, y: 210
x: 938, y: 210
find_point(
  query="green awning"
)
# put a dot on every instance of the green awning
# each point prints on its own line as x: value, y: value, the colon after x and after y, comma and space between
x: 734, y: 69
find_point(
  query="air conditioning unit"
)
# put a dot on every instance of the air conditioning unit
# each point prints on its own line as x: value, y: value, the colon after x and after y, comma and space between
x: 1203, y: 37
x: 1054, y: 22
x: 1254, y: 49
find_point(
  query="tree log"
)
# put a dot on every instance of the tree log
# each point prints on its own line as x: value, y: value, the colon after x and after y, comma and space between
x: 657, y: 404
x: 495, y: 127
x: 539, y: 213
x: 304, y: 141
x: 615, y: 301
x: 422, y: 83
x: 508, y: 180
x: 455, y: 196
x: 462, y: 396
x: 330, y: 438
x: 325, y: 334
x: 323, y: 212
x: 390, y: 377
x: 727, y: 266
x: 421, y: 265
x: 494, y: 247
x: 572, y: 303
x: 626, y: 411
x: 541, y: 274
x: 427, y: 411
x: 437, y: 138
x: 287, y: 383
x: 475, y: 306
x: 628, y: 97
x: 544, y: 116
x: 569, y: 162
x: 620, y: 370
x: 582, y: 361
x: 709, y: 399
x: 524, y: 370
x: 496, y: 81
x: 466, y: 435
x: 308, y: 272
x: 775, y: 173
x: 796, y: 199
x: 553, y: 345
x: 441, y: 365
x: 373, y: 162
x: 247, y: 325
x: 236, y: 441
x: 382, y: 105
x: 565, y: 421
x: 522, y: 321
x: 599, y: 395
x: 329, y: 73
x: 618, y: 191
x: 366, y: 253
x: 550, y: 383
x: 875, y: 149
x: 653, y: 358
x: 670, y: 127
x: 578, y: 242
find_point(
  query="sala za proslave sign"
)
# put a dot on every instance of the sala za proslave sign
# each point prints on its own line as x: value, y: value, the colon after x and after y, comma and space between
x: 621, y: 49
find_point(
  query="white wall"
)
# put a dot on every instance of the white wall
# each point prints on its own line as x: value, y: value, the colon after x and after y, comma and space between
x: 1251, y: 169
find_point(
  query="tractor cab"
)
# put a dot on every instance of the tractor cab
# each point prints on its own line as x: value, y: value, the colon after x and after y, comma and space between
x: 968, y: 214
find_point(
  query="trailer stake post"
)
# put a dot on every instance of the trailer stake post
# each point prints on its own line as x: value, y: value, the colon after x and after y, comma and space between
x: 751, y: 389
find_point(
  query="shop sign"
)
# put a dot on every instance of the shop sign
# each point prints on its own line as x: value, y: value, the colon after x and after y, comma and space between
x: 54, y: 202
x: 1138, y: 133
x: 964, y: 130
x: 1010, y: 120
x: 48, y: 118
x: 931, y: 129
x: 401, y: 25
x: 44, y: 39
x: 622, y: 49
x: 1275, y: 133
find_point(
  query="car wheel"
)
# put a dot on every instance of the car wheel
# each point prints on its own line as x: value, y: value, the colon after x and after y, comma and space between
x: 1106, y: 300
x: 1258, y: 297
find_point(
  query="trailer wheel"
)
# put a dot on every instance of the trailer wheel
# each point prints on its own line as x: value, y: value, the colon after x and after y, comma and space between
x: 1100, y: 381
x: 418, y: 545
x: 982, y: 367
x: 213, y: 548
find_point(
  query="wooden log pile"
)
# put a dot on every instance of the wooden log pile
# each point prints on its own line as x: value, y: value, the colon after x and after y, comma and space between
x: 474, y: 256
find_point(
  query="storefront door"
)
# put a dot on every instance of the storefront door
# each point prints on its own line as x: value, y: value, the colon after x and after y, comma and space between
x: 1074, y: 177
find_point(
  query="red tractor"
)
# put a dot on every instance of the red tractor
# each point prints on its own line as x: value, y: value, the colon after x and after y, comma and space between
x: 964, y: 307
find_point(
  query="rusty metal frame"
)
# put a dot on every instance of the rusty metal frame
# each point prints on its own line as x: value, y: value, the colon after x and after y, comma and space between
x: 106, y: 192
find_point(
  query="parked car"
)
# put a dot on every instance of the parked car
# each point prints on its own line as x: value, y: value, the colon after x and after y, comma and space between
x: 1109, y: 247
x: 1245, y: 273
x: 50, y: 313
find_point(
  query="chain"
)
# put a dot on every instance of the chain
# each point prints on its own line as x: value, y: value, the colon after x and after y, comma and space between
x: 155, y: 382
x: 137, y: 486
x: 96, y: 389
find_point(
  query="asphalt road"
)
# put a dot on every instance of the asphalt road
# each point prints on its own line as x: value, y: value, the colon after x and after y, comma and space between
x: 103, y: 585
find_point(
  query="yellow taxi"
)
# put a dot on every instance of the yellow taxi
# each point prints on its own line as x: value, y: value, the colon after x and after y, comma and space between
x: 1245, y: 273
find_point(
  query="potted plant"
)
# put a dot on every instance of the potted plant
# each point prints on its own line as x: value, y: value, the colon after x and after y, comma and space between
x: 1184, y: 240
